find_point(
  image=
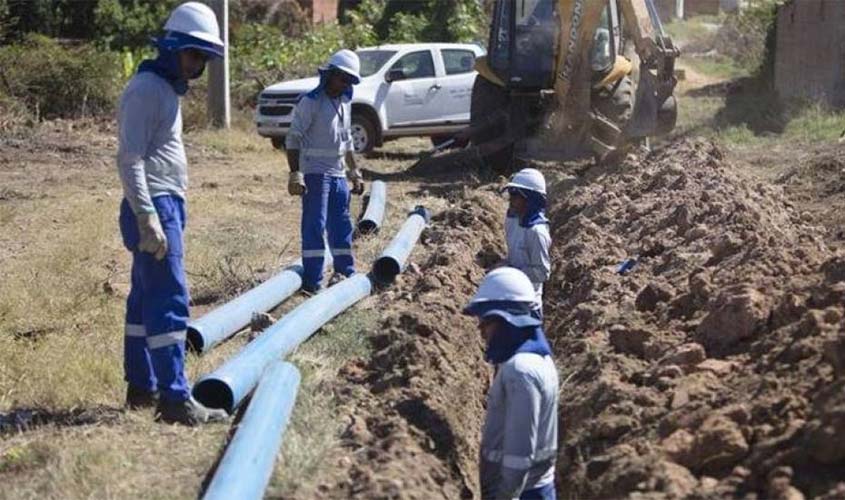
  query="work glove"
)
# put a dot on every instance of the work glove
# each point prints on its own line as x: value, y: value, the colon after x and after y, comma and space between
x: 296, y: 184
x: 357, y: 180
x: 153, y: 240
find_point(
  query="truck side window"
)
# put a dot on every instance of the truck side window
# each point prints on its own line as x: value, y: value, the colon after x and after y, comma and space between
x: 416, y: 65
x: 458, y: 61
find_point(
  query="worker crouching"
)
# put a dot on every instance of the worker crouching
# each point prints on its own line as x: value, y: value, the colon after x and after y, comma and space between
x: 319, y: 148
x: 519, y: 438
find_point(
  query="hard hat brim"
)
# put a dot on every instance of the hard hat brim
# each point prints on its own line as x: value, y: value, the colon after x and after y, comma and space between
x: 521, y: 320
x: 174, y: 40
x: 347, y: 71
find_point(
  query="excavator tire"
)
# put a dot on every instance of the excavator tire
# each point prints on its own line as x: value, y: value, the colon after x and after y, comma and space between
x: 619, y: 106
x: 488, y: 98
x: 616, y: 104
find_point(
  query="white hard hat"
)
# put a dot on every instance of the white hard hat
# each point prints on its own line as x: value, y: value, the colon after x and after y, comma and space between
x: 508, y: 293
x: 530, y: 179
x: 193, y: 25
x: 347, y: 61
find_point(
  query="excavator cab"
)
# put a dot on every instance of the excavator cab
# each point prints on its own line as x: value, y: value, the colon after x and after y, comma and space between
x: 566, y: 79
x: 523, y: 43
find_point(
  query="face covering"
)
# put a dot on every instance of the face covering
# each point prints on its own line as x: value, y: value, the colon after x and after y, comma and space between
x: 509, y: 340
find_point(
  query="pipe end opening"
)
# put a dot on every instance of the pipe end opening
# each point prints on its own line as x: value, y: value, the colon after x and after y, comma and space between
x: 367, y: 227
x: 195, y: 341
x: 385, y: 270
x: 214, y: 393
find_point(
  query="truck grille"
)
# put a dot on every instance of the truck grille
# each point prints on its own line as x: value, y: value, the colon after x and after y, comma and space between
x: 281, y: 96
x: 274, y: 110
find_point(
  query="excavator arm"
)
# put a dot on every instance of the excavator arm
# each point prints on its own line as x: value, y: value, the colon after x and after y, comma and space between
x: 579, y: 21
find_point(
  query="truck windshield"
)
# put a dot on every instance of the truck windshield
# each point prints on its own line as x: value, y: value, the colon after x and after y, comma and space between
x: 373, y: 60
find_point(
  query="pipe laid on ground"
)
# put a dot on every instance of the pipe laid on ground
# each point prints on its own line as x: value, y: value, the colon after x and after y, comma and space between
x: 226, y: 387
x: 394, y: 258
x: 374, y: 215
x: 223, y: 322
x: 247, y: 464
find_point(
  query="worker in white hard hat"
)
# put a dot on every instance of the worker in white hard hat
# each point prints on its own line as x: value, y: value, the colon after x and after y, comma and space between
x: 153, y: 170
x: 319, y: 151
x: 527, y: 229
x: 519, y: 437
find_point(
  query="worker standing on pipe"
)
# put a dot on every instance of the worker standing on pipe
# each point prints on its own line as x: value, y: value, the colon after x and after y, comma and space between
x: 153, y: 169
x: 527, y: 229
x: 319, y: 148
x: 519, y: 437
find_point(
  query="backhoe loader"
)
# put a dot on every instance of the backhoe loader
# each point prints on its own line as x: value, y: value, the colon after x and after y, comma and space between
x: 566, y: 79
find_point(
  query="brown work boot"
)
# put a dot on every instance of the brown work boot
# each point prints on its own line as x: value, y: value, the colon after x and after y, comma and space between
x: 139, y: 399
x: 189, y: 412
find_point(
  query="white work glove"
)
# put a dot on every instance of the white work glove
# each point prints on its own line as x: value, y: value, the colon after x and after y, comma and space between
x: 357, y: 179
x: 153, y: 239
x: 296, y: 184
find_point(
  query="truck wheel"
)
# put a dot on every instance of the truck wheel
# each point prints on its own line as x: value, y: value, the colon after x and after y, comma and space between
x: 488, y: 98
x: 278, y: 142
x: 363, y: 134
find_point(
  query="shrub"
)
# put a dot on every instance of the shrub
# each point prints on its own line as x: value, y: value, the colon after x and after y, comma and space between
x: 55, y: 81
x: 261, y: 55
x: 746, y: 36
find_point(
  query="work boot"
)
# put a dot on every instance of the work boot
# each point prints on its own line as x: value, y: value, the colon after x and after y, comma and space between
x: 310, y: 290
x: 189, y: 412
x: 139, y: 399
x: 336, y: 278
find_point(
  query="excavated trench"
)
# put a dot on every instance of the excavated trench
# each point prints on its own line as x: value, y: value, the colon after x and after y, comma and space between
x: 713, y: 368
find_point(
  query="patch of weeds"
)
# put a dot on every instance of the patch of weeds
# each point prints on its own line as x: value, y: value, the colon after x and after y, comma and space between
x: 23, y: 457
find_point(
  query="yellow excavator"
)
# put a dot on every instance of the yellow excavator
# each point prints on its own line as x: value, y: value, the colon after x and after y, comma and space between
x: 565, y: 79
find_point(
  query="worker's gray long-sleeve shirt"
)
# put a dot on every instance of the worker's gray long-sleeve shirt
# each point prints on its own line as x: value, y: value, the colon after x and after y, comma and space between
x: 519, y: 440
x: 528, y: 251
x: 151, y: 156
x: 322, y: 132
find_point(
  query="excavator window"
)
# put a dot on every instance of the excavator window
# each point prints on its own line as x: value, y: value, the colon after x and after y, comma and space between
x: 523, y: 42
x: 603, y: 54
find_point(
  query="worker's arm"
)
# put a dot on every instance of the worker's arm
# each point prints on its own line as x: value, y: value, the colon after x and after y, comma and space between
x: 303, y: 115
x: 639, y: 27
x: 137, y: 121
x: 538, y: 243
x: 522, y: 415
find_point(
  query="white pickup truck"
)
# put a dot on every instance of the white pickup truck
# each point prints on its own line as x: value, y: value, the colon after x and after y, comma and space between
x: 420, y: 89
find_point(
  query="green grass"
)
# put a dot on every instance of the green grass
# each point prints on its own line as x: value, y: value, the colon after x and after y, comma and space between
x: 816, y: 124
x: 716, y: 67
x: 692, y: 30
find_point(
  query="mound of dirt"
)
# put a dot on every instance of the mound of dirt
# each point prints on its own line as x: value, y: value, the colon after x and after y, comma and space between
x: 714, y: 367
x: 816, y: 182
x: 416, y: 407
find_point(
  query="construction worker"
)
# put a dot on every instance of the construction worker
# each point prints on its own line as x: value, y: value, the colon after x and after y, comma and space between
x: 319, y: 148
x: 153, y: 170
x: 519, y: 437
x: 527, y: 229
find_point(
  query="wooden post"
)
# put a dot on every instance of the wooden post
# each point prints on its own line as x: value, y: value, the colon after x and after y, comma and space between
x: 219, y: 104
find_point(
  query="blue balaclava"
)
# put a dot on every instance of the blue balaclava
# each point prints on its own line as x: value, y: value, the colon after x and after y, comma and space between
x: 518, y: 331
x: 536, y: 213
x: 325, y: 73
x: 166, y: 65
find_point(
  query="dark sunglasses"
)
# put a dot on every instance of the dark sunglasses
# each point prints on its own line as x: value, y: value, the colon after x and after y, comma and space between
x: 345, y: 77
